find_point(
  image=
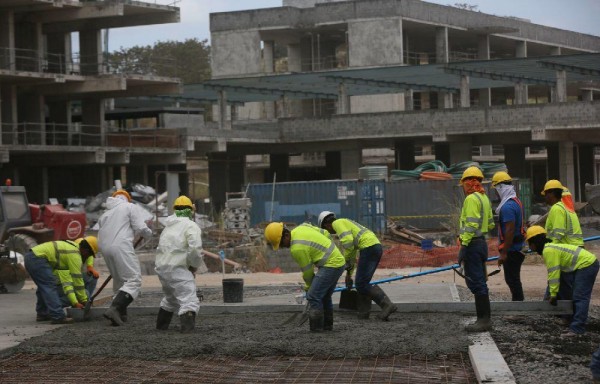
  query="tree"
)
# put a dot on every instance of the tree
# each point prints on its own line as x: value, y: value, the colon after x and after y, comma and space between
x: 466, y: 6
x: 188, y: 60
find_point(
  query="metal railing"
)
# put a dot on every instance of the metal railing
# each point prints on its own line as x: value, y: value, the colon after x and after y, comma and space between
x: 79, y: 135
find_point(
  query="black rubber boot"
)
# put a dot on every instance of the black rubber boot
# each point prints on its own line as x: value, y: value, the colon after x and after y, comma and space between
x: 484, y: 322
x: 328, y: 320
x: 316, y: 320
x: 123, y: 314
x: 363, y: 306
x: 119, y: 303
x: 383, y: 301
x: 188, y: 322
x: 163, y: 319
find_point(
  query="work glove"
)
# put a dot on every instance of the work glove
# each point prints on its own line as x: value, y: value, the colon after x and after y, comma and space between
x: 349, y: 281
x: 553, y: 301
x: 193, y: 270
x: 78, y: 305
x: 462, y: 254
x: 92, y: 272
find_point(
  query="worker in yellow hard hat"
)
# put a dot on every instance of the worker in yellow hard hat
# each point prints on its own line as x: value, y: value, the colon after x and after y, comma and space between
x: 90, y: 274
x: 311, y: 249
x: 562, y: 224
x: 178, y: 257
x: 567, y: 262
x: 476, y: 220
x: 511, y: 233
x: 119, y: 224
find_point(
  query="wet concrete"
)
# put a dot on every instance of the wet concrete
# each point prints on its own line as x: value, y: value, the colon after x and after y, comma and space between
x: 256, y: 335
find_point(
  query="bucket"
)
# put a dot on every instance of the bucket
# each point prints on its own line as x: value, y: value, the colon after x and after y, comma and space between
x: 233, y: 290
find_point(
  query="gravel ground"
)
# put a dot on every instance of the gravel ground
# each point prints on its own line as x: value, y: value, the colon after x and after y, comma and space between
x: 533, y: 349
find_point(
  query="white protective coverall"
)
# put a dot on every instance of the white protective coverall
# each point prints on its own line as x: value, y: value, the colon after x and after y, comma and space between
x: 179, y: 247
x: 118, y: 226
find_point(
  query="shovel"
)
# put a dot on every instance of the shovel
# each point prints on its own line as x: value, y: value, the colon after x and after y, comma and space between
x: 88, y: 305
x: 459, y: 272
x: 303, y: 317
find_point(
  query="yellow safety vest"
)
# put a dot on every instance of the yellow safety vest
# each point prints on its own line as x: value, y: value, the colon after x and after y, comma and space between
x: 353, y: 237
x: 476, y: 217
x: 563, y: 226
x: 564, y: 258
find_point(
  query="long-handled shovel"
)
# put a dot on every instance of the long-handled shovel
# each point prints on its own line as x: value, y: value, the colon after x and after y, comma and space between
x: 88, y: 305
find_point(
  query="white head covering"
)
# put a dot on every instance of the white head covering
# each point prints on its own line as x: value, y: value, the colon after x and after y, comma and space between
x: 506, y: 193
x: 122, y: 197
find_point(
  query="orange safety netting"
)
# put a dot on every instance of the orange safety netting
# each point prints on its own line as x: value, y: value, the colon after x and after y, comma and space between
x: 404, y: 256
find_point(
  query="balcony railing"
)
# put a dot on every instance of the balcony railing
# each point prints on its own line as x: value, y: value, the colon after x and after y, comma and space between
x: 79, y: 135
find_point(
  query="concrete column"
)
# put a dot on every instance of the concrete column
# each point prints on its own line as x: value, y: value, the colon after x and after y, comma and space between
x: 351, y: 160
x: 514, y: 158
x: 269, y: 68
x: 566, y: 164
x: 7, y: 40
x: 560, y: 91
x: 521, y: 90
x: 483, y: 53
x: 343, y: 101
x: 280, y: 164
x: 90, y: 49
x: 409, y: 100
x: 404, y: 155
x: 584, y: 168
x: 555, y: 51
x: 222, y: 110
x: 442, y: 55
x: 92, y: 122
x: 333, y: 165
x: 465, y: 92
x: 587, y: 95
x: 225, y: 174
x: 442, y: 152
x: 461, y: 151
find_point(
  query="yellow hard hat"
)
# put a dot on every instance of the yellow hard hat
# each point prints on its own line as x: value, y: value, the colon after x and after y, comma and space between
x: 273, y: 233
x: 183, y: 201
x: 471, y: 172
x: 534, y: 231
x: 122, y: 192
x: 552, y: 184
x: 500, y: 177
x: 92, y: 242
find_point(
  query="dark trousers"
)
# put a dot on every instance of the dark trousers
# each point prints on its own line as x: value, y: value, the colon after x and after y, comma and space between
x: 512, y: 274
x: 475, y: 259
x: 367, y: 265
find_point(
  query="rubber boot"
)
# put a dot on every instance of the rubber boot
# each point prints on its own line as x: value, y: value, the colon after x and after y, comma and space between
x: 163, y: 319
x: 328, y: 320
x: 383, y: 301
x: 123, y: 314
x: 363, y: 305
x: 316, y: 320
x: 482, y: 307
x: 119, y: 303
x: 188, y: 322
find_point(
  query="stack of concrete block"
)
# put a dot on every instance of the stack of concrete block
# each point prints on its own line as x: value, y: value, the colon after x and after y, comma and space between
x: 236, y: 215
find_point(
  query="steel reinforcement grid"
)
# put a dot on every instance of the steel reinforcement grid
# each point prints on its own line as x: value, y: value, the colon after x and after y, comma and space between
x: 408, y: 368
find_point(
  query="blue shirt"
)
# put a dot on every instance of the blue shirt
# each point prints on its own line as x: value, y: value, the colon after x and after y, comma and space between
x: 511, y: 211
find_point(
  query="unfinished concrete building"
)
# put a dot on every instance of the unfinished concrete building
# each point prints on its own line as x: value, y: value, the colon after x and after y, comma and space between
x: 57, y: 90
x: 330, y: 80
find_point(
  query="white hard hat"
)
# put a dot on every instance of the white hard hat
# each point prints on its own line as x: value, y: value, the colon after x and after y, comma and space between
x: 323, y: 215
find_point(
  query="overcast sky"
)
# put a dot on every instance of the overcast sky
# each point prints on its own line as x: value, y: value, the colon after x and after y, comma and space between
x: 575, y: 15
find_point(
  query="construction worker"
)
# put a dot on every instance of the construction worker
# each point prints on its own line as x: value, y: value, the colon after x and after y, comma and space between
x: 60, y: 260
x: 356, y: 239
x: 311, y: 249
x: 178, y: 257
x: 567, y: 259
x: 562, y: 223
x: 511, y: 233
x: 90, y: 275
x: 118, y: 226
x: 476, y: 220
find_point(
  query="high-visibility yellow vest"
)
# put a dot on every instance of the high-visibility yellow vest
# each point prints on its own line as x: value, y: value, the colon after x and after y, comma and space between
x: 563, y: 226
x: 564, y: 258
x: 476, y: 218
x: 353, y: 237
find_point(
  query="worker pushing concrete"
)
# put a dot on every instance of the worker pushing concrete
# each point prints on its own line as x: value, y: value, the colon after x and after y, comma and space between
x: 476, y: 220
x: 511, y: 233
x: 567, y: 262
x: 118, y: 226
x: 357, y: 240
x: 562, y: 223
x: 58, y: 260
x: 178, y: 257
x: 311, y: 249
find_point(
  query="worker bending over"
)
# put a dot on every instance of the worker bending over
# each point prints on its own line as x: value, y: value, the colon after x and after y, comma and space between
x: 60, y: 260
x: 566, y: 259
x: 118, y: 226
x: 356, y: 240
x: 311, y: 249
x: 511, y: 233
x: 178, y: 257
x: 562, y: 223
x: 90, y: 275
x: 476, y: 221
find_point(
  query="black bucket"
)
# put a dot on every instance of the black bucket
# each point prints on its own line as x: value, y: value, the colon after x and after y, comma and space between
x: 233, y: 290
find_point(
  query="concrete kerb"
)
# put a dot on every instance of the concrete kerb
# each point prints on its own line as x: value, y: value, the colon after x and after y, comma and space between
x: 487, y: 361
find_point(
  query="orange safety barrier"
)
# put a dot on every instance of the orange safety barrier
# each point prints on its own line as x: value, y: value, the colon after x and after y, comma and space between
x: 405, y: 256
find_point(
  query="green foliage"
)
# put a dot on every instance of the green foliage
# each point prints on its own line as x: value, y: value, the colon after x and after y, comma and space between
x: 188, y: 60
